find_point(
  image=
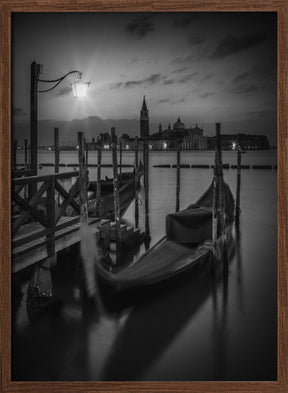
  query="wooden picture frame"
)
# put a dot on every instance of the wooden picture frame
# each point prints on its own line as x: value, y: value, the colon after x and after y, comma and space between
x: 9, y: 6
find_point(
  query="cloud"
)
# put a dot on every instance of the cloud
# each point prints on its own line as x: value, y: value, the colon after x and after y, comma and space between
x: 179, y: 101
x: 150, y: 80
x: 187, y: 78
x: 140, y: 26
x: 230, y: 44
x: 207, y: 77
x: 64, y: 91
x: 196, y: 40
x: 169, y: 81
x: 133, y: 60
x: 185, y: 20
x: 132, y: 83
x: 244, y: 89
x: 241, y: 77
x: 208, y: 94
x: 163, y: 101
x: 116, y: 85
x: 179, y: 70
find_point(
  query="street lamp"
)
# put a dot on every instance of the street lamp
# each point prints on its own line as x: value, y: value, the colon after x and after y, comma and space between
x: 79, y: 88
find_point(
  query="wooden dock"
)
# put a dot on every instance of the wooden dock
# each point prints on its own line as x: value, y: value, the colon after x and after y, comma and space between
x: 40, y: 228
x: 31, y: 246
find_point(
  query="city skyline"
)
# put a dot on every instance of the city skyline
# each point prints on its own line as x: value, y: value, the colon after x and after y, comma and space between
x: 203, y: 67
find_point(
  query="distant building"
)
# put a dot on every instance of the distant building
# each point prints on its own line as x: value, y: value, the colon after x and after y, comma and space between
x: 189, y: 138
x: 144, y: 120
x: 246, y: 141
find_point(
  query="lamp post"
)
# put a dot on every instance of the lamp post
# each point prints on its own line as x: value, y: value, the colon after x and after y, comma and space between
x: 79, y: 88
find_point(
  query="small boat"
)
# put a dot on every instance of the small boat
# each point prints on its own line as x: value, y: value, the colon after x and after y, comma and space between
x: 127, y: 182
x: 187, y: 246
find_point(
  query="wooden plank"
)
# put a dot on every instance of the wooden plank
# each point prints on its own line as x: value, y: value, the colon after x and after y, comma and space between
x: 35, y: 251
x: 39, y: 179
x: 19, y: 241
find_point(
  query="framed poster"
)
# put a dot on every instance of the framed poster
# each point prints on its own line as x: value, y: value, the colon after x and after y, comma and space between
x: 168, y: 72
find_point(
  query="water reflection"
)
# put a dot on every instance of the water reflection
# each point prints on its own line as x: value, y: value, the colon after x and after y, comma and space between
x: 154, y: 324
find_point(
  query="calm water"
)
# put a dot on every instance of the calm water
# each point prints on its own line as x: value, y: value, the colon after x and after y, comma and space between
x: 198, y: 330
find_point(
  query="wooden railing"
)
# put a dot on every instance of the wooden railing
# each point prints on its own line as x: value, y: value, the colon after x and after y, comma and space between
x: 42, y: 207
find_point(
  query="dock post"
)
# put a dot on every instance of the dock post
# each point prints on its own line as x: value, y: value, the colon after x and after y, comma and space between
x: 26, y: 153
x: 136, y: 183
x: 98, y: 186
x: 26, y: 164
x: 221, y: 196
x: 15, y: 155
x: 116, y: 194
x: 237, y: 215
x: 56, y: 149
x: 120, y: 159
x: 146, y: 188
x: 40, y: 290
x: 88, y: 240
x: 218, y: 213
x: 82, y: 178
x: 57, y: 156
x: 178, y: 177
x: 86, y: 151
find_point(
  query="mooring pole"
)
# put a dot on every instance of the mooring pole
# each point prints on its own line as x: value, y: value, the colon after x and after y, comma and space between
x: 98, y: 190
x: 82, y: 178
x: 86, y: 151
x: 218, y: 206
x: 116, y: 194
x: 56, y: 149
x: 120, y: 159
x: 26, y: 153
x: 136, y: 183
x: 87, y: 238
x: 15, y: 155
x: 146, y: 186
x: 237, y: 215
x: 178, y: 177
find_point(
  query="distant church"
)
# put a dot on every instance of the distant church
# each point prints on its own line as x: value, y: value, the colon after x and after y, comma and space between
x: 189, y: 138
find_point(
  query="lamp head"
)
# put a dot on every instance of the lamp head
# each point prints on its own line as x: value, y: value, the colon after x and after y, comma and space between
x: 80, y: 87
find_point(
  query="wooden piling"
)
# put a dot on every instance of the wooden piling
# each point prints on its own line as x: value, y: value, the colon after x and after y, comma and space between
x: 237, y: 215
x: 136, y: 183
x: 218, y: 196
x: 98, y: 190
x: 116, y: 194
x: 15, y: 155
x: 26, y: 153
x: 82, y: 178
x: 87, y: 247
x: 178, y: 177
x: 120, y: 159
x: 146, y: 185
x: 56, y: 149
x: 86, y: 151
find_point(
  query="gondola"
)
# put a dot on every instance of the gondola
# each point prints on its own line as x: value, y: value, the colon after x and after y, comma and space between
x: 127, y: 182
x: 186, y: 246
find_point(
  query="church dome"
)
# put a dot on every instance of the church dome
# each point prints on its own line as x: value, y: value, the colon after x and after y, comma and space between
x: 178, y: 125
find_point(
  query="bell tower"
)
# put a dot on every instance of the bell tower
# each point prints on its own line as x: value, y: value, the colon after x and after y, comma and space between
x: 144, y: 120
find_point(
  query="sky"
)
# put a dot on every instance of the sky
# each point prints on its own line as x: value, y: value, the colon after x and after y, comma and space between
x: 203, y: 67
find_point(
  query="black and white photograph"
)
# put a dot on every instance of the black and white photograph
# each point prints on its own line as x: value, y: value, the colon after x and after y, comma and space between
x: 144, y: 196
